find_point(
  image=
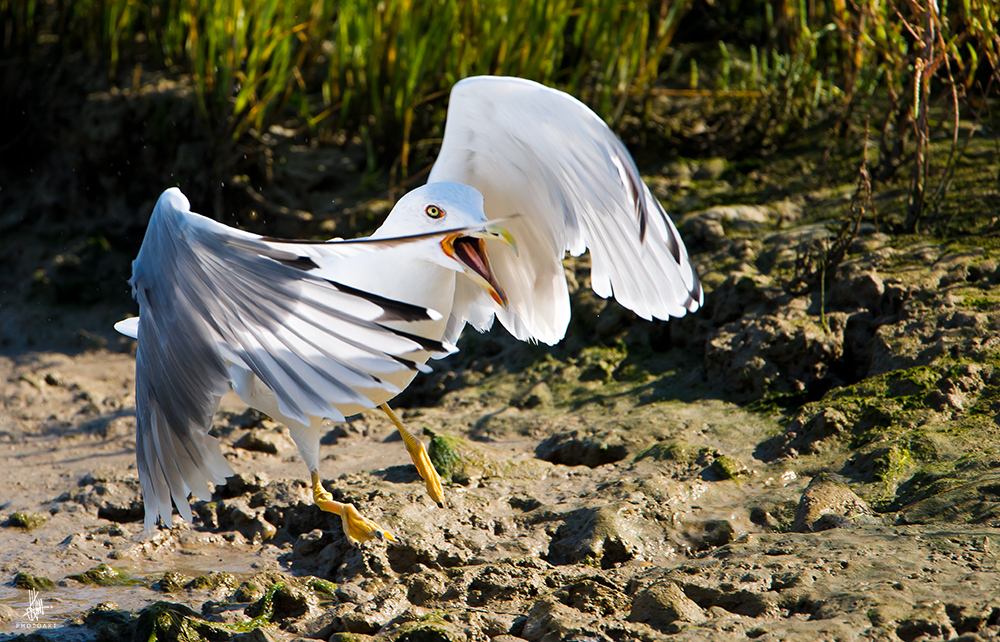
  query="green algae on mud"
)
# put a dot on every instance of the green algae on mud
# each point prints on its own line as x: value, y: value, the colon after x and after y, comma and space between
x: 166, y: 621
x: 27, y: 521
x: 457, y: 460
x: 104, y: 575
x: 28, y: 581
x: 674, y: 450
x: 900, y: 440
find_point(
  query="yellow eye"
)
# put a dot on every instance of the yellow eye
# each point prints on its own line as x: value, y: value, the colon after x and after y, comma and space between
x: 434, y: 211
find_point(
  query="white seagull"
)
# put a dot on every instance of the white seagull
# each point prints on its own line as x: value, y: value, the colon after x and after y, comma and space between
x: 306, y: 331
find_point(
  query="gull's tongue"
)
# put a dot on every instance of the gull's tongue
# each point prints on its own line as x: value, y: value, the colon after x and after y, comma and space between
x: 467, y: 250
x: 472, y: 252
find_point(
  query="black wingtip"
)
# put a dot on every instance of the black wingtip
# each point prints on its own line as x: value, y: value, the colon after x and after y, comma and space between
x: 430, y: 345
x: 303, y: 263
x: 393, y: 310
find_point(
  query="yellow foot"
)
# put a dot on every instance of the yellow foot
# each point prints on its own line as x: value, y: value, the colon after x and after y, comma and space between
x: 420, y: 459
x: 358, y: 528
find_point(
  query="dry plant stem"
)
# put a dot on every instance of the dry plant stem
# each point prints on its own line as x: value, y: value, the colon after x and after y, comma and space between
x: 921, y: 92
x: 862, y: 200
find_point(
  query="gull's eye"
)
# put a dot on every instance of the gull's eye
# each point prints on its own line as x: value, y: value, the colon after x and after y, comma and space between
x: 434, y: 211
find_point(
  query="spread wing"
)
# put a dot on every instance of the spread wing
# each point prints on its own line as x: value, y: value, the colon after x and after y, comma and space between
x: 553, y: 168
x: 210, y: 296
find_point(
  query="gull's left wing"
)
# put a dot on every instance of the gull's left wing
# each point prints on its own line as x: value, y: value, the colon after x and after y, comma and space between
x: 550, y: 165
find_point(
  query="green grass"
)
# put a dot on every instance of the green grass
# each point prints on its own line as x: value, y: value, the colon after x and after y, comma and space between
x: 364, y: 65
x: 768, y: 68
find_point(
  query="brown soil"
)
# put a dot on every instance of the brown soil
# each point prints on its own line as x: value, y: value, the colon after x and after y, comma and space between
x: 793, y: 462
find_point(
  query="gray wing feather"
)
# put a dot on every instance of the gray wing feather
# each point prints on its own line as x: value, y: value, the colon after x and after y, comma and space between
x: 210, y: 295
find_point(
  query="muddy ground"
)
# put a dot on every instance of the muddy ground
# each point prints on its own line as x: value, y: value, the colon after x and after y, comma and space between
x: 812, y: 456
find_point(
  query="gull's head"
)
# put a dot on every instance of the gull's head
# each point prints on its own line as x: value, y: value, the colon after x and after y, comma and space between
x: 441, y: 207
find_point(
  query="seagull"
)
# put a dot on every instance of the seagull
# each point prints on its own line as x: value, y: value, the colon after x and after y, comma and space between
x: 306, y: 331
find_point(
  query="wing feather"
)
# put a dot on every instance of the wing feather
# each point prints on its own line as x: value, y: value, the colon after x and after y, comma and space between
x: 210, y: 296
x: 564, y: 181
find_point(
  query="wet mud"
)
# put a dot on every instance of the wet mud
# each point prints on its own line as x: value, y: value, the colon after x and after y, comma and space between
x: 812, y: 456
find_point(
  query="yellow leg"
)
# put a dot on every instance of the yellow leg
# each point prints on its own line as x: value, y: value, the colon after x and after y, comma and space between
x: 357, y: 528
x: 420, y: 459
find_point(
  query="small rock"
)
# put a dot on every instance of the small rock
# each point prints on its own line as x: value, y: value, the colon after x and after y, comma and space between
x: 208, y: 512
x: 272, y: 441
x: 352, y: 593
x: 711, y: 533
x: 870, y: 242
x: 812, y: 434
x: 425, y: 586
x: 210, y: 582
x: 774, y: 516
x: 590, y: 596
x: 103, y: 575
x: 114, y: 495
x: 862, y: 291
x: 703, y: 232
x: 243, y: 483
x: 726, y: 467
x: 828, y: 503
x: 740, y: 217
x: 170, y: 582
x: 523, y: 502
x: 601, y: 536
x: 431, y: 629
x: 109, y: 622
x: 662, y: 604
x: 675, y: 450
x: 787, y: 211
x: 460, y: 461
x: 319, y: 628
x: 236, y: 513
x: 338, y: 431
x: 550, y: 619
x: 369, y: 616
x: 290, y: 602
x: 886, y: 464
x: 33, y: 582
x: 677, y: 169
x: 27, y: 521
x: 321, y: 552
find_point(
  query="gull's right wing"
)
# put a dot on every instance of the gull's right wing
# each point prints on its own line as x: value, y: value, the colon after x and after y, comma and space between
x: 209, y: 296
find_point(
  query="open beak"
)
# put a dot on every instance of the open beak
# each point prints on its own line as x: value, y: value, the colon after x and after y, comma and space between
x: 469, y: 249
